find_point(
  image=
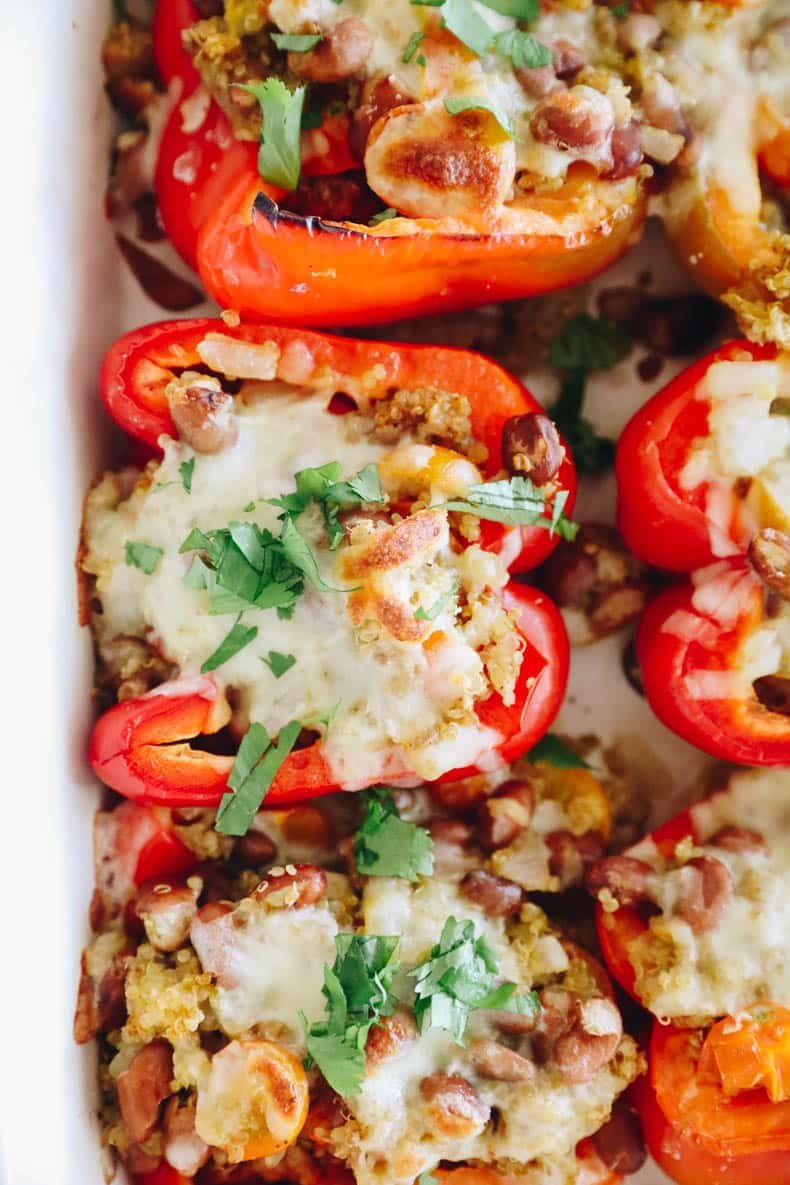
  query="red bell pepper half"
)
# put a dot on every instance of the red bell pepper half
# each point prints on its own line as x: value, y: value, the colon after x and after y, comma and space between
x: 264, y: 261
x: 699, y: 1134
x: 693, y: 643
x: 140, y: 747
x: 672, y: 527
x: 138, y: 367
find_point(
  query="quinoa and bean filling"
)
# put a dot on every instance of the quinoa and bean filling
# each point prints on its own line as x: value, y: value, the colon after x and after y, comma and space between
x: 286, y: 1007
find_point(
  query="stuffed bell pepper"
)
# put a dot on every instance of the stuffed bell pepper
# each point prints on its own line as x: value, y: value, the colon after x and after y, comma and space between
x: 356, y: 163
x: 703, y: 489
x: 693, y: 922
x: 308, y: 587
x: 350, y: 993
x: 715, y: 79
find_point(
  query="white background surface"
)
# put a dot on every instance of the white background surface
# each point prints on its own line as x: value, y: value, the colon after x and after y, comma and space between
x: 63, y: 299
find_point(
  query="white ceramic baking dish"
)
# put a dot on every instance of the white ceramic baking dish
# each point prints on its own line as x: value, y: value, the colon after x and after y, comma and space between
x: 66, y: 296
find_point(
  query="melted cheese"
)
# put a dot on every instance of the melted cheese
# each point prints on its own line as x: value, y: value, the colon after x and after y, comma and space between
x: 746, y: 957
x: 264, y: 973
x: 395, y: 698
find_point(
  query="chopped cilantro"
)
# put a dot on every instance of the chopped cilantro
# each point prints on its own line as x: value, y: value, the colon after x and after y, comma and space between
x: 589, y: 343
x: 522, y: 10
x: 554, y: 751
x: 585, y: 343
x: 185, y: 471
x: 516, y: 501
x: 386, y: 845
x: 142, y: 556
x: 323, y: 718
x: 412, y: 47
x: 249, y: 507
x: 279, y: 155
x: 524, y: 50
x: 620, y: 10
x: 357, y: 992
x: 459, y: 977
x: 255, y: 768
x: 436, y: 608
x: 296, y: 42
x: 235, y: 640
x: 457, y: 104
x: 383, y: 216
x: 278, y: 663
x: 465, y: 22
x: 420, y: 59
x: 322, y: 485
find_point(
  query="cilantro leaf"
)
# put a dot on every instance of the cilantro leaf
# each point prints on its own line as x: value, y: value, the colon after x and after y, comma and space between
x: 278, y: 663
x: 459, y: 977
x: 357, y: 992
x: 585, y: 343
x: 254, y: 769
x: 554, y: 751
x: 142, y: 556
x: 438, y: 605
x: 522, y: 10
x: 383, y: 216
x: 515, y: 501
x: 620, y: 10
x: 464, y: 21
x: 591, y: 451
x: 185, y: 470
x: 386, y: 845
x: 457, y: 104
x: 235, y: 640
x: 298, y: 551
x: 296, y: 42
x: 524, y: 50
x: 279, y: 155
x: 412, y: 46
x: 589, y: 343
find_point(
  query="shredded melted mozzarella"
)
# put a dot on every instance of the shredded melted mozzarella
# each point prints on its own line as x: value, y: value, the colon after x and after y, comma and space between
x: 391, y: 696
x: 746, y: 957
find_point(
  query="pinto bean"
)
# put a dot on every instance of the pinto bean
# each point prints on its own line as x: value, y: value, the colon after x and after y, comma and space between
x: 591, y: 1040
x: 568, y: 58
x: 167, y: 909
x: 497, y: 897
x: 706, y: 893
x: 390, y: 1037
x: 183, y: 1148
x: 570, y: 855
x: 454, y: 1106
x: 531, y: 447
x: 203, y: 414
x: 378, y: 96
x: 493, y: 1060
x: 138, y: 1160
x: 662, y: 107
x: 638, y: 32
x: 254, y: 849
x: 539, y: 81
x: 342, y: 52
x: 619, y: 1143
x: 625, y: 877
x: 505, y: 815
x: 738, y: 839
x: 773, y: 692
x: 450, y: 831
x: 769, y: 555
x: 577, y: 118
x: 626, y: 151
x: 143, y: 1087
x: 292, y: 887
